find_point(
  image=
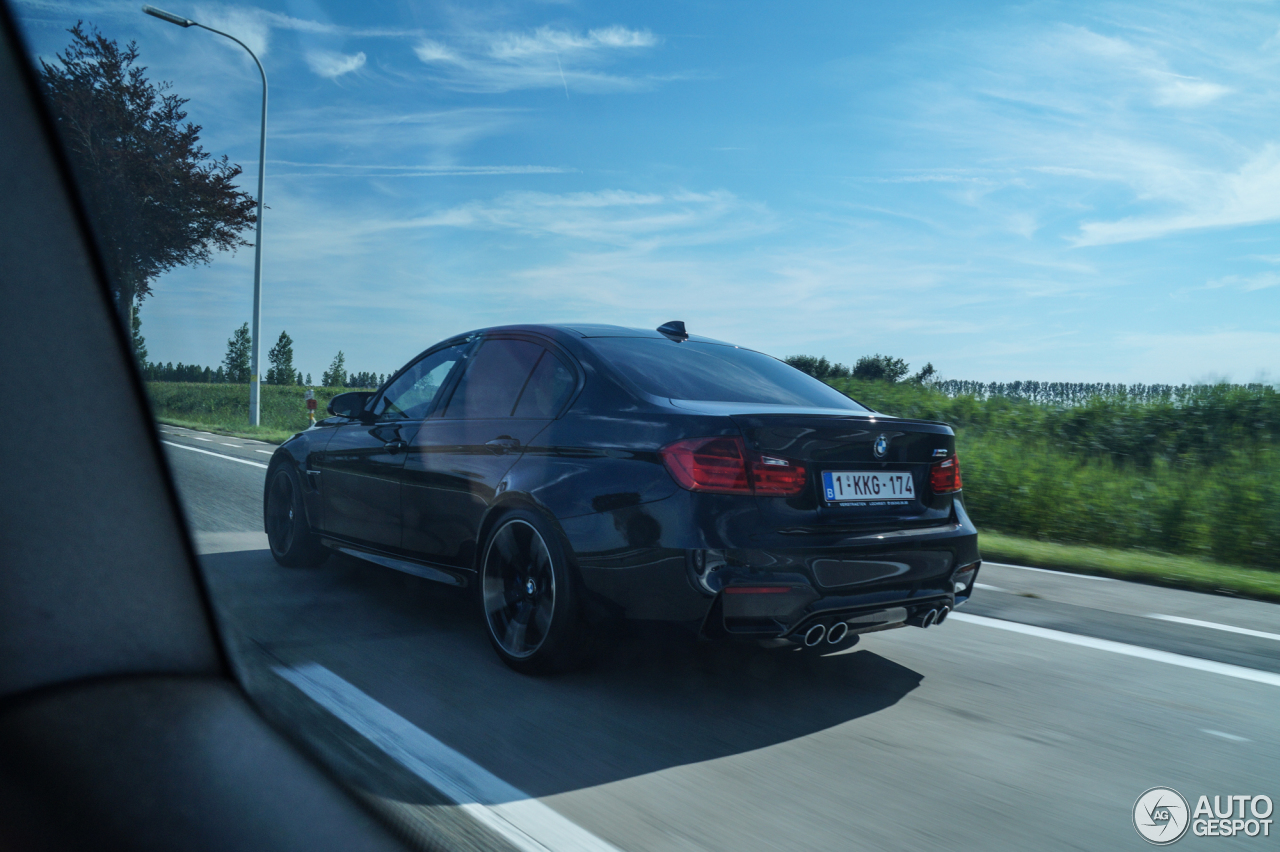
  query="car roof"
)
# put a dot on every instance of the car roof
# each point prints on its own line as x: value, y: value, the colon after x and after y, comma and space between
x: 586, y: 330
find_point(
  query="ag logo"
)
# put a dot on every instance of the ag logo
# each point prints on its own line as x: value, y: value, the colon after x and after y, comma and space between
x: 1160, y: 815
x: 881, y: 446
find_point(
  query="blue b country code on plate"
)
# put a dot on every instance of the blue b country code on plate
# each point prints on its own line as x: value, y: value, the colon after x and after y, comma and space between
x: 856, y: 486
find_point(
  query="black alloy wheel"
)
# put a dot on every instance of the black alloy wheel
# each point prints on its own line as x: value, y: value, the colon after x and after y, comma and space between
x: 292, y: 542
x: 529, y: 599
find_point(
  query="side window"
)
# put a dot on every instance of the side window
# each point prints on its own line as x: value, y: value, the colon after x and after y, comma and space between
x: 494, y: 378
x: 547, y: 389
x: 410, y: 396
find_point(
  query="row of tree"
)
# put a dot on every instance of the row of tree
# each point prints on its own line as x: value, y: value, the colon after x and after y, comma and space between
x: 883, y: 368
x: 1078, y: 393
x: 236, y: 365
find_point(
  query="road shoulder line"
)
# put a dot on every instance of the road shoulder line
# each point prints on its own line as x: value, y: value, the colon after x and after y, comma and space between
x: 1239, y: 672
x: 211, y: 453
x: 518, y: 818
x: 1214, y: 625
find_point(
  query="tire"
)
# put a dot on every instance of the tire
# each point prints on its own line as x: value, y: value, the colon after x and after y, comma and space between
x: 292, y: 542
x: 529, y: 596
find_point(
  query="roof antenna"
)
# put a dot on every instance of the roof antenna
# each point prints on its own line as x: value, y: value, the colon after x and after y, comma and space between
x: 674, y: 330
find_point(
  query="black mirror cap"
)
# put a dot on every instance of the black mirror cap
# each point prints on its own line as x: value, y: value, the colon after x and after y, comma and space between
x: 349, y: 404
x: 674, y: 330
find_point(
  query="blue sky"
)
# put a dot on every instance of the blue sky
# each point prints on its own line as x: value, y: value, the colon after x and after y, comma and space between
x: 1055, y: 191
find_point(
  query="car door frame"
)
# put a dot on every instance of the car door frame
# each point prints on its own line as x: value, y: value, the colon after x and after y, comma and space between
x: 438, y: 409
x: 367, y: 420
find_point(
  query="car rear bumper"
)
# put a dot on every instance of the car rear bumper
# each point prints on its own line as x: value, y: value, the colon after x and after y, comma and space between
x: 868, y: 582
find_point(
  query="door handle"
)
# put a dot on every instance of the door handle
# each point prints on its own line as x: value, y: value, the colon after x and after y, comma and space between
x: 504, y: 444
x: 394, y: 447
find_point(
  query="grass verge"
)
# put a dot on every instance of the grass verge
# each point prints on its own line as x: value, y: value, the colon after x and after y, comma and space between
x: 1142, y: 566
x: 256, y: 433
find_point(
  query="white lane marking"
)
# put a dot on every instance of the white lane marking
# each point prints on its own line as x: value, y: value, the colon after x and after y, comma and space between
x: 1230, y: 628
x: 1049, y: 571
x: 989, y: 588
x: 198, y: 438
x: 225, y: 444
x: 1225, y: 736
x: 1270, y: 678
x: 266, y: 452
x: 210, y: 453
x: 523, y: 821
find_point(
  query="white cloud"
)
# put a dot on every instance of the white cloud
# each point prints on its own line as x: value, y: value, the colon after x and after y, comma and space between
x: 249, y: 25
x: 544, y: 40
x: 1247, y: 283
x: 1186, y: 91
x: 613, y: 217
x: 430, y: 136
x: 544, y: 58
x: 1248, y: 196
x: 433, y: 52
x: 331, y: 64
x: 398, y: 171
x: 617, y: 218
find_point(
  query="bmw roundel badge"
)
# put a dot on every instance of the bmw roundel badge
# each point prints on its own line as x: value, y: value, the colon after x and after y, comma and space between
x: 881, y: 446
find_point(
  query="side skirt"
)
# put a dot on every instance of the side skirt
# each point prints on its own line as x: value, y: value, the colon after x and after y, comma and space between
x: 439, y: 573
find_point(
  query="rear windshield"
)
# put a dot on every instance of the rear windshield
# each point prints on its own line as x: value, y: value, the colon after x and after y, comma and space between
x: 715, y: 373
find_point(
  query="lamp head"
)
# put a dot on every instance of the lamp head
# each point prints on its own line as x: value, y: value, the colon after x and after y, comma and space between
x: 168, y: 16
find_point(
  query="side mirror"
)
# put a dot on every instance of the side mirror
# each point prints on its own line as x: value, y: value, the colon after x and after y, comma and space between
x: 349, y: 404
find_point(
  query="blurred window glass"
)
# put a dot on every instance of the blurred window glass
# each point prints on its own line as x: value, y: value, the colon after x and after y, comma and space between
x: 493, y: 380
x: 411, y: 396
x: 715, y: 373
x: 547, y: 390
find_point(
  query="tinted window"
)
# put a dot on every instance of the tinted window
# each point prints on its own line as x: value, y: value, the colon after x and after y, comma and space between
x: 493, y: 380
x: 717, y: 373
x: 547, y: 389
x: 410, y: 396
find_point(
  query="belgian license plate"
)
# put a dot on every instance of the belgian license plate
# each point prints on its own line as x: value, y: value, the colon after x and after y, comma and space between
x: 868, y: 487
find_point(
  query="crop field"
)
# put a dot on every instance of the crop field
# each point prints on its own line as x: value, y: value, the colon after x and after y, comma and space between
x: 1195, y: 473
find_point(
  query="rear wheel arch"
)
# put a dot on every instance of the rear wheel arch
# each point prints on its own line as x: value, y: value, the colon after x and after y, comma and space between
x: 506, y: 503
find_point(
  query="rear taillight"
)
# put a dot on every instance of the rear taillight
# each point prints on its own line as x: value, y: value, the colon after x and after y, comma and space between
x: 709, y: 464
x: 725, y: 466
x: 944, y: 476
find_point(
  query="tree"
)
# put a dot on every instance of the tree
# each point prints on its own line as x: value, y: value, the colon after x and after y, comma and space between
x: 308, y: 380
x: 336, y: 375
x: 155, y: 197
x: 139, y: 342
x: 819, y: 368
x: 237, y: 358
x: 880, y: 368
x: 281, y: 359
x: 926, y: 374
x: 298, y: 376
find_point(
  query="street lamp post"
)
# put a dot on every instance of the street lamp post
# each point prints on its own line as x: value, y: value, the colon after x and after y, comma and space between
x: 254, y: 406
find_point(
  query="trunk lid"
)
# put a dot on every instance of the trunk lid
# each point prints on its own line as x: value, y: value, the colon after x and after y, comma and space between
x: 859, y: 446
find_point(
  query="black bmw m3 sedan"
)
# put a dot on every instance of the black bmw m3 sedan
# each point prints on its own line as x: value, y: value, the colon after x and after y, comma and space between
x: 571, y: 472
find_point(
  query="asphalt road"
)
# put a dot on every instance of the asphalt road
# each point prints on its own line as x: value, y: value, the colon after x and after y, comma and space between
x: 1033, y: 719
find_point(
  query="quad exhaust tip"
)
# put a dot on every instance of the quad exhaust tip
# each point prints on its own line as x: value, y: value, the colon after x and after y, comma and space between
x: 929, y: 618
x: 838, y: 631
x: 814, y: 635
x: 942, y: 615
